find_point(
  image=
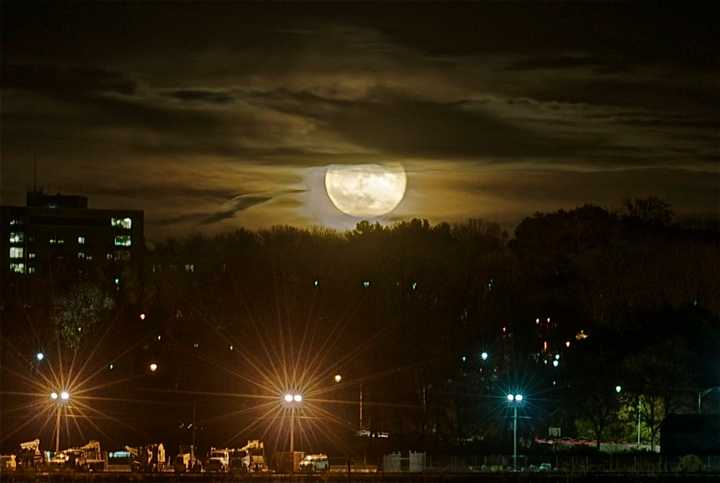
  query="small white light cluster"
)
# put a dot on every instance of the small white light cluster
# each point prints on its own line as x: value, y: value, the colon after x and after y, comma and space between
x: 64, y: 395
x: 515, y: 397
x: 293, y: 398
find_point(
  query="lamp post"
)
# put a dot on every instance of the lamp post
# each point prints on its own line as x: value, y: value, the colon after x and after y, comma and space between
x: 60, y: 399
x: 701, y: 395
x: 293, y: 401
x: 515, y: 400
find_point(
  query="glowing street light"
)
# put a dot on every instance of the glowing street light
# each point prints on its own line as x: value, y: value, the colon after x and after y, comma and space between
x: 337, y: 378
x: 153, y: 367
x: 515, y: 400
x: 59, y: 399
x: 618, y: 389
x: 484, y: 356
x: 293, y: 400
x: 40, y: 356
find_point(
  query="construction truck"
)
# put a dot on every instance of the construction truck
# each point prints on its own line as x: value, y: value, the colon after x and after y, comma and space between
x: 218, y: 460
x: 88, y: 457
x: 255, y: 456
x: 149, y: 458
x: 30, y: 456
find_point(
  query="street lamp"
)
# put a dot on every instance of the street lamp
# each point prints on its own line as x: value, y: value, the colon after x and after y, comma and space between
x: 337, y: 378
x: 40, y: 356
x: 484, y: 356
x: 515, y: 400
x: 618, y: 389
x: 153, y: 367
x: 60, y: 399
x: 293, y: 401
x: 701, y: 396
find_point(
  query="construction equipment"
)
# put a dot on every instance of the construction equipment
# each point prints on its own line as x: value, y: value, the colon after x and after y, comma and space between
x: 185, y: 460
x: 30, y: 455
x: 255, y: 458
x: 147, y: 459
x: 218, y: 460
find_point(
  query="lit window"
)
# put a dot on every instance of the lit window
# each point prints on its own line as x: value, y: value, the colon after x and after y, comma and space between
x: 81, y: 240
x: 109, y: 256
x: 56, y: 241
x: 123, y: 241
x: 17, y: 252
x: 189, y: 267
x: 16, y: 237
x: 31, y: 255
x: 88, y: 258
x: 122, y: 255
x: 17, y: 267
x: 121, y: 223
x: 81, y: 255
x: 16, y: 222
x: 31, y: 270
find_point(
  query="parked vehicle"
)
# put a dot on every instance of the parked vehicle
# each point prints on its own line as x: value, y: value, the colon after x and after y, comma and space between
x: 315, y: 463
x: 218, y: 460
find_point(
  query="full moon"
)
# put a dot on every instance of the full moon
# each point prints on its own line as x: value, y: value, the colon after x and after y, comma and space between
x: 365, y: 190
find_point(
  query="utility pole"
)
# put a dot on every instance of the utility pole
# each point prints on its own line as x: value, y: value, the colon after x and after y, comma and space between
x: 639, y: 406
x: 292, y: 435
x: 57, y: 430
x: 515, y: 418
x: 194, y: 433
x: 702, y: 394
x: 361, y: 406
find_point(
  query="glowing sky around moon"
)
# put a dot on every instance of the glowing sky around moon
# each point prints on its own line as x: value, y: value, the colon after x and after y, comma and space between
x: 365, y: 190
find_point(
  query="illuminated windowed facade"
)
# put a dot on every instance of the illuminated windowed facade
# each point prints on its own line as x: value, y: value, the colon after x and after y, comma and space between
x: 123, y: 241
x: 125, y: 223
x: 61, y: 233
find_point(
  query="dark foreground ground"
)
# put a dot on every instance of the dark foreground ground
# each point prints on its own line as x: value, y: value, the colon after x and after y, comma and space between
x: 554, y: 477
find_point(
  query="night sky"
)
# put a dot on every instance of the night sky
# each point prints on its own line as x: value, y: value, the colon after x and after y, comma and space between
x: 211, y: 116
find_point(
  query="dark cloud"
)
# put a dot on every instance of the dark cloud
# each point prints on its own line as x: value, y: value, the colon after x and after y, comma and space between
x: 59, y: 79
x: 561, y: 62
x: 237, y: 205
x: 157, y: 192
x: 202, y: 95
